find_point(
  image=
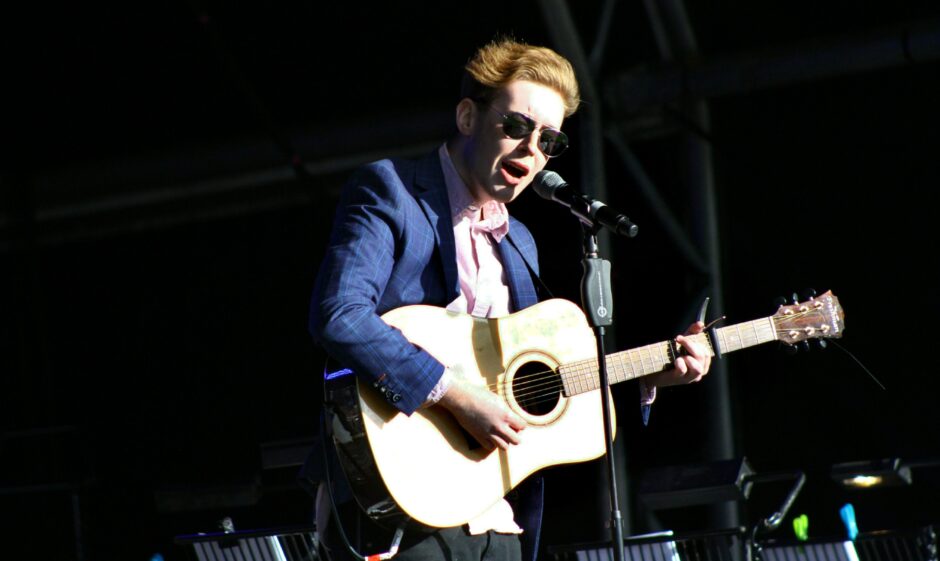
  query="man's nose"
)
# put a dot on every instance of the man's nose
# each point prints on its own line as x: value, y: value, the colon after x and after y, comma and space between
x: 532, y: 141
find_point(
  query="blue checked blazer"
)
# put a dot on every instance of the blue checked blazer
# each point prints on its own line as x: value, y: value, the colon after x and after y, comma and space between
x: 393, y: 245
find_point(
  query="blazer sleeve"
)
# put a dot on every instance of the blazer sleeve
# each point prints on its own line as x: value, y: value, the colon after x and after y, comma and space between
x: 370, y: 232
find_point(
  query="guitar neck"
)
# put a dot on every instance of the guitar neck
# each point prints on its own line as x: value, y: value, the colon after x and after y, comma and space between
x: 581, y: 376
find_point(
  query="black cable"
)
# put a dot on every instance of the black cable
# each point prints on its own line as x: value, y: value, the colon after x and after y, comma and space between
x: 329, y: 488
x: 399, y: 532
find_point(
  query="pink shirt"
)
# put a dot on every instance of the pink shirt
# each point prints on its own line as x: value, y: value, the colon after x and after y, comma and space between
x: 477, y: 229
x: 484, y: 292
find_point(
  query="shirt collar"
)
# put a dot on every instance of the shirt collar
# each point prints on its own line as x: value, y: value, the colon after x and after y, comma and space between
x: 495, y: 215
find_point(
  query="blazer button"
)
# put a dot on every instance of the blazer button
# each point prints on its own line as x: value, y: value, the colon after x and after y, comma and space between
x: 396, y: 398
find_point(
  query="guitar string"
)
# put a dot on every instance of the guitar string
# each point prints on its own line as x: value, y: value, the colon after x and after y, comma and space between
x: 582, y: 372
x: 585, y: 371
x: 585, y: 374
x: 591, y: 363
x: 528, y: 384
x: 586, y: 362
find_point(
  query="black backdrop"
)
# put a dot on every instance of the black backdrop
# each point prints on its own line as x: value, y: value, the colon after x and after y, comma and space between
x: 170, y: 337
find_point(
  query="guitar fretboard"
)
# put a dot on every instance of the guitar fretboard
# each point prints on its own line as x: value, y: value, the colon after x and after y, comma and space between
x: 581, y: 376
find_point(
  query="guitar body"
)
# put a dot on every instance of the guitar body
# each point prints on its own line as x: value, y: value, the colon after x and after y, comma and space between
x: 429, y: 466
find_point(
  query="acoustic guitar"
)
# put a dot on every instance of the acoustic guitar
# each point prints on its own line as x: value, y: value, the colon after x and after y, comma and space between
x: 542, y: 363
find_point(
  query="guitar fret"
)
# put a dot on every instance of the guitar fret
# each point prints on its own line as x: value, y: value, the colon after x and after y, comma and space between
x: 579, y: 378
x: 770, y: 333
x: 567, y: 380
x: 588, y: 367
x: 734, y: 343
x: 772, y: 328
x: 625, y: 367
x: 723, y: 342
x: 622, y: 368
x: 746, y: 334
x: 741, y: 337
x: 614, y: 371
x: 587, y: 374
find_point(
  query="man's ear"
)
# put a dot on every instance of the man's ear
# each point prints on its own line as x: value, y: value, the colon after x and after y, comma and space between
x: 467, y: 115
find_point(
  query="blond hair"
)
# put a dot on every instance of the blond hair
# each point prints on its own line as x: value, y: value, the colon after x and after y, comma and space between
x: 506, y: 60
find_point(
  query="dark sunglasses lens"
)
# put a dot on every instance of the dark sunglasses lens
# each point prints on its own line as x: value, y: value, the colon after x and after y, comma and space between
x: 516, y: 125
x: 552, y: 142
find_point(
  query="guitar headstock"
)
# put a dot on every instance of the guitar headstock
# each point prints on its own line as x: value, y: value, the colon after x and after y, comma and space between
x: 820, y: 317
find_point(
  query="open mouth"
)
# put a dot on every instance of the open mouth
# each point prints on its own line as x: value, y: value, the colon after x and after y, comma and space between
x: 515, y: 170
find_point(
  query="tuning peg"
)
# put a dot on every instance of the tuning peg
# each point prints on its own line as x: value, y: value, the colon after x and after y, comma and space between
x: 808, y: 294
x: 789, y: 349
x: 780, y: 301
x: 822, y: 344
x: 804, y: 346
x: 795, y: 298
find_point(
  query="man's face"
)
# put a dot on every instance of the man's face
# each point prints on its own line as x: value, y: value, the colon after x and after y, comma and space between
x: 499, y: 167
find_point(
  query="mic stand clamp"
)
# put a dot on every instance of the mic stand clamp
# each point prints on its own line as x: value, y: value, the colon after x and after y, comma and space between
x: 598, y: 306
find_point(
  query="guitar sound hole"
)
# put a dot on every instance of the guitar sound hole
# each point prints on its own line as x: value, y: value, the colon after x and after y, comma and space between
x: 536, y: 388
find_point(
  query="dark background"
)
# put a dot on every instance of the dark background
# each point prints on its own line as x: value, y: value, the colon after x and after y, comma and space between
x: 158, y: 251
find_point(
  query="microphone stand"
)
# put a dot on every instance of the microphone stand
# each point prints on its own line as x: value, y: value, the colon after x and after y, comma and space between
x: 596, y: 299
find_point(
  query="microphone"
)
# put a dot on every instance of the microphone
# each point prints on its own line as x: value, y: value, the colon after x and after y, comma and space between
x: 549, y: 185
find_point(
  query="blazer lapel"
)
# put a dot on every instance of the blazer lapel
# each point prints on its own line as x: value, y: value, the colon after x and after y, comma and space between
x: 431, y: 194
x: 521, y: 286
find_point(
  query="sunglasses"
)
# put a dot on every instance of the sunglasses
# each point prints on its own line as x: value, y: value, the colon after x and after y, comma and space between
x: 552, y: 142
